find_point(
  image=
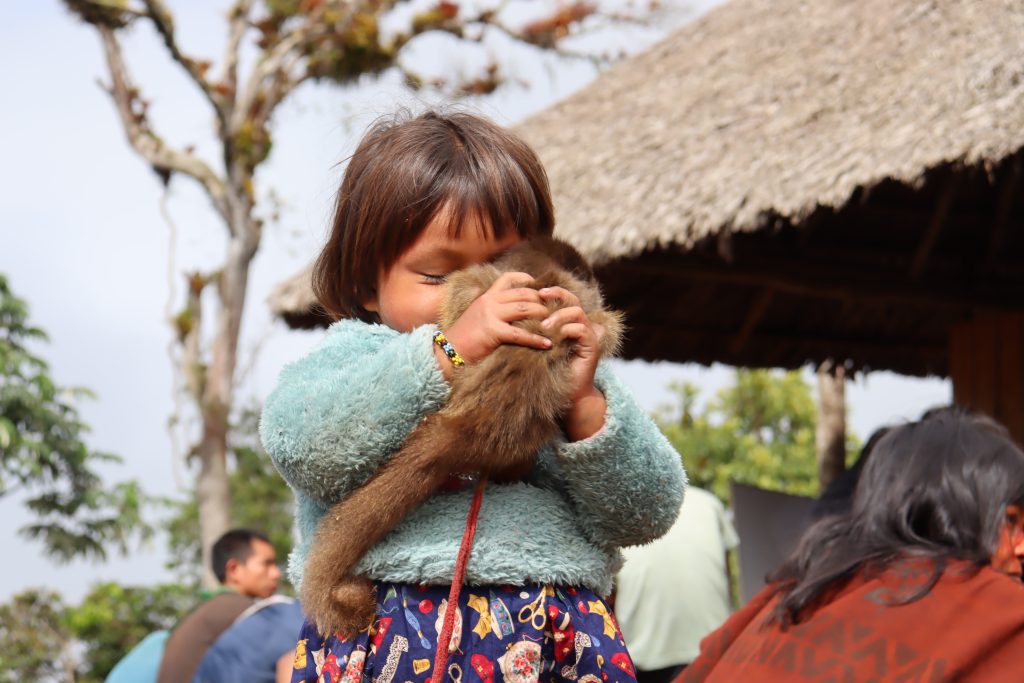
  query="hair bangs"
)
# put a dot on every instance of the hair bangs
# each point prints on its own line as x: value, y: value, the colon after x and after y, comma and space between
x: 500, y: 189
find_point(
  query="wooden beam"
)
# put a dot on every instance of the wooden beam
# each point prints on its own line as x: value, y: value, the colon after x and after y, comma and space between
x: 861, y: 289
x: 859, y: 254
x: 987, y: 367
x: 961, y: 363
x: 931, y: 233
x: 823, y: 346
x: 986, y: 362
x: 754, y: 315
x: 1004, y: 207
x: 701, y: 294
x: 1010, y: 388
x: 886, y: 217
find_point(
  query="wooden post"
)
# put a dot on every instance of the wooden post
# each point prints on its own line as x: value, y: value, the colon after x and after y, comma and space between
x: 931, y: 233
x: 830, y: 432
x: 986, y: 364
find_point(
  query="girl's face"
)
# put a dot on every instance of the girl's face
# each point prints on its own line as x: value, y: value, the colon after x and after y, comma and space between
x: 1010, y: 553
x: 409, y: 293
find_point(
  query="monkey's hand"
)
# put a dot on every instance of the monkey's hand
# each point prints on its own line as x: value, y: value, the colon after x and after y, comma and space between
x: 346, y: 609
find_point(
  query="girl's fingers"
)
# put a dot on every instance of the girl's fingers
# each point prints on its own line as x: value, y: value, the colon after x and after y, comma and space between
x: 510, y: 281
x: 517, y: 294
x: 563, y: 316
x: 510, y: 334
x: 560, y: 293
x: 580, y: 332
x: 522, y: 310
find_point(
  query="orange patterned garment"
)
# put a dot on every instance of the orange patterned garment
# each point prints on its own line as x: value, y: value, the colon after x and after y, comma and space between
x: 969, y: 627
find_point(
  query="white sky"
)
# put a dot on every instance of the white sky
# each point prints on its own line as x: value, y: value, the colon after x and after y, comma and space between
x: 83, y: 240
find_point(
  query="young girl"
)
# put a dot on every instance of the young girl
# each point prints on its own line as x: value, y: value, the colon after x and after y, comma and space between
x: 423, y: 197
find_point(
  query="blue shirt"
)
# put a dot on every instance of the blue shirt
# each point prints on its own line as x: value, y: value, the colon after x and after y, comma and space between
x: 142, y: 662
x: 249, y: 649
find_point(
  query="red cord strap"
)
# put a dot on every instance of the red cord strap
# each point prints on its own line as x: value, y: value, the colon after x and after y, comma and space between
x: 445, y: 637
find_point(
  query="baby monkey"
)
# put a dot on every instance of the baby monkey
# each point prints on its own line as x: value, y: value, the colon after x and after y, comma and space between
x: 500, y: 412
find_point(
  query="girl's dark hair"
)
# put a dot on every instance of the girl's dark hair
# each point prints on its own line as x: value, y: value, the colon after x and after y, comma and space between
x: 404, y: 172
x: 935, y: 490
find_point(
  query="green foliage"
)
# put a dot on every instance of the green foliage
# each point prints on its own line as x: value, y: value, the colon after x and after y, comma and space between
x: 260, y: 500
x: 345, y: 45
x: 45, y: 640
x: 112, y: 619
x: 42, y: 452
x: 109, y: 13
x: 759, y: 431
x: 350, y: 47
x: 283, y: 9
x: 34, y: 638
x: 252, y: 144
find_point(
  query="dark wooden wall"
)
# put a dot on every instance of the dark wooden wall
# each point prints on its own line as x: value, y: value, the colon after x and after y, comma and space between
x: 986, y: 360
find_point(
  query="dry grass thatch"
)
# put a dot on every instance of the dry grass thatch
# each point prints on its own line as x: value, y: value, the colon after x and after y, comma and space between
x: 773, y: 107
x: 294, y: 302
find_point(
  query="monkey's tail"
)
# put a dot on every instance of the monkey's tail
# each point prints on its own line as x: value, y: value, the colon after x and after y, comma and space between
x: 357, y: 523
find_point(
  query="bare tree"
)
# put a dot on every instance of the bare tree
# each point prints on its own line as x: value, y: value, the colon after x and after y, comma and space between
x: 830, y: 433
x: 333, y: 41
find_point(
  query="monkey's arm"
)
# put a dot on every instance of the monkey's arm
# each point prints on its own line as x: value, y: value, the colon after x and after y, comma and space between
x: 340, y: 412
x: 627, y: 481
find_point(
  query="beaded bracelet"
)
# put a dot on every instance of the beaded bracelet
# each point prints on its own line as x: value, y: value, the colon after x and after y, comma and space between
x: 448, y: 349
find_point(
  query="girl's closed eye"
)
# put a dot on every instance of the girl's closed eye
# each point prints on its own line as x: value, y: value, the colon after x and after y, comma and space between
x: 433, y: 279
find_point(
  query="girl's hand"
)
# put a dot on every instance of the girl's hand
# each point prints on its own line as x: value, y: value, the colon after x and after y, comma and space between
x: 487, y: 323
x: 586, y: 415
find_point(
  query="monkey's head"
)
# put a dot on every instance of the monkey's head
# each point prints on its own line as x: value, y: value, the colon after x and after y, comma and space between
x: 552, y: 263
x: 541, y: 255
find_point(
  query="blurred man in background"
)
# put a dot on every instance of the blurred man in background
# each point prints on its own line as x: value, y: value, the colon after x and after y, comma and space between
x: 246, y: 565
x: 674, y: 591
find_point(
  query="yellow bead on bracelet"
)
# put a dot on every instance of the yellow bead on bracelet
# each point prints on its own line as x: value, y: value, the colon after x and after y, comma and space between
x: 448, y: 349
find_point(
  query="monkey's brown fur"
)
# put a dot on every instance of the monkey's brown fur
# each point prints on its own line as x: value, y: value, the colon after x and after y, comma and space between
x: 500, y: 412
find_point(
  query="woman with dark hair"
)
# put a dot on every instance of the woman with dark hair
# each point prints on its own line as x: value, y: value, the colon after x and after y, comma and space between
x: 920, y: 582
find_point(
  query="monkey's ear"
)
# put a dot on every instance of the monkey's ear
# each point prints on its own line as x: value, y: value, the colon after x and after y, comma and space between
x: 613, y: 323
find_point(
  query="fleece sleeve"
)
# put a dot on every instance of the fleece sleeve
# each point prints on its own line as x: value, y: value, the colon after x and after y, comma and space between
x: 337, y: 414
x: 626, y: 481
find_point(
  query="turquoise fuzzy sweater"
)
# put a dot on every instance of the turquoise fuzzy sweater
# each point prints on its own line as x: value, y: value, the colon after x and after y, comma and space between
x: 339, y: 413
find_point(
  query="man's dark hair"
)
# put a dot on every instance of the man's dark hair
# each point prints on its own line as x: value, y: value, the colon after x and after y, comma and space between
x: 233, y: 545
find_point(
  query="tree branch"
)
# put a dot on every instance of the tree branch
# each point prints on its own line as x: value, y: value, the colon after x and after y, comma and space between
x: 238, y: 17
x: 163, y: 21
x: 285, y: 80
x: 553, y: 47
x: 271, y: 67
x: 131, y: 109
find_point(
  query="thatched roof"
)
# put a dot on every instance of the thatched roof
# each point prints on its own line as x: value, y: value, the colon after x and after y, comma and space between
x: 294, y: 302
x: 769, y: 108
x: 783, y: 181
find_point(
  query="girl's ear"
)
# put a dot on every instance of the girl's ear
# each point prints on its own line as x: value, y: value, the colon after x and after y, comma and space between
x: 371, y: 305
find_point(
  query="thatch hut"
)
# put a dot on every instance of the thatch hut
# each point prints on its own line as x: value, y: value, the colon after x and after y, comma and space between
x: 789, y: 181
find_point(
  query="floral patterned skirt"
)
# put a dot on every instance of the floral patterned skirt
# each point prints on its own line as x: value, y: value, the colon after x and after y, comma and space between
x: 520, y: 634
